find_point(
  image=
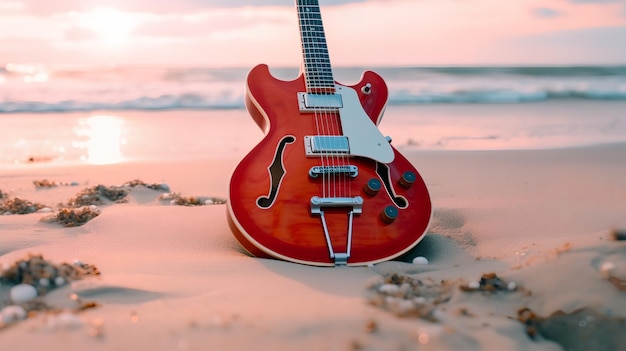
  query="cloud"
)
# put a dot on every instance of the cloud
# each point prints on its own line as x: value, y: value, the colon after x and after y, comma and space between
x: 78, y: 33
x: 210, y: 22
x: 546, y: 12
x: 595, y: 1
x: 46, y: 8
x: 587, y: 45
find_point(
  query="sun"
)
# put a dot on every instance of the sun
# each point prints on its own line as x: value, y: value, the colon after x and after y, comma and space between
x: 111, y: 26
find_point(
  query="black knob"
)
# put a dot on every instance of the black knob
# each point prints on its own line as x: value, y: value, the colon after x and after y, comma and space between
x: 407, y: 179
x: 389, y: 214
x: 366, y: 89
x: 372, y: 187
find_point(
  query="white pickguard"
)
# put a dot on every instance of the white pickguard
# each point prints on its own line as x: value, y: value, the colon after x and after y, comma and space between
x: 364, y: 137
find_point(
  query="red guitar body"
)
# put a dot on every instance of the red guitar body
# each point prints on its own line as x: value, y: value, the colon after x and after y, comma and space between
x: 271, y: 207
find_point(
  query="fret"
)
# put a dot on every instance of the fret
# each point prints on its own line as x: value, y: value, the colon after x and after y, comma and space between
x: 318, y: 74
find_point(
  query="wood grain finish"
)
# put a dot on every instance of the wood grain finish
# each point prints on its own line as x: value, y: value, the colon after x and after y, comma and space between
x: 287, y: 229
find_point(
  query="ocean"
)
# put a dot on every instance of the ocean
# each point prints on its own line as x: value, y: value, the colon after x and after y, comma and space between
x: 52, y: 113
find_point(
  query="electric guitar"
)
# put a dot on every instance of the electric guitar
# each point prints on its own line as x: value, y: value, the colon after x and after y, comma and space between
x: 324, y: 187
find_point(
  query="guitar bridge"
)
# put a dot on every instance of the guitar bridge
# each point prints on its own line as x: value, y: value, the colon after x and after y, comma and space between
x: 351, y: 171
x: 356, y: 205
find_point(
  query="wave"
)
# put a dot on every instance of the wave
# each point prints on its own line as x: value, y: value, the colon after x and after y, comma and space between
x: 195, y: 101
x: 41, y: 89
x: 502, y: 96
x: 164, y: 102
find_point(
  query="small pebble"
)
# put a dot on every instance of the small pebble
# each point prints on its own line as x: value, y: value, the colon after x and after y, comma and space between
x: 389, y: 288
x: 45, y: 210
x: 167, y: 196
x: 45, y: 282
x: 511, y: 286
x: 473, y: 285
x: 59, y: 281
x: 64, y: 320
x: 23, y: 293
x: 12, y: 314
x: 209, y: 202
x: 420, y: 260
x: 164, y: 187
x: 419, y: 300
x: 607, y: 267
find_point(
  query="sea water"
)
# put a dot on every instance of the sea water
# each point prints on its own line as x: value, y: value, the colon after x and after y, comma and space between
x: 108, y: 114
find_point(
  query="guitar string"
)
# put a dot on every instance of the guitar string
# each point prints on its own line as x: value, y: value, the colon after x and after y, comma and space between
x: 325, y: 84
x: 312, y: 81
x: 316, y: 45
x: 320, y: 81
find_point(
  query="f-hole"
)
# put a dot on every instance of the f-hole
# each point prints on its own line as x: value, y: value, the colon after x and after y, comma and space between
x: 276, y: 172
x: 383, y: 172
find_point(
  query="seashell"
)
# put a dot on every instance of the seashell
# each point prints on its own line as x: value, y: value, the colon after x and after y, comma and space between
x: 23, y: 293
x: 606, y: 268
x: 403, y: 306
x: 12, y: 314
x: 419, y: 300
x: 64, y: 320
x: 473, y: 285
x: 388, y: 288
x: 420, y: 260
x: 166, y: 196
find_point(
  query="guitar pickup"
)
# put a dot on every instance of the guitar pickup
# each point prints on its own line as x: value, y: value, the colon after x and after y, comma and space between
x: 310, y: 102
x: 326, y: 144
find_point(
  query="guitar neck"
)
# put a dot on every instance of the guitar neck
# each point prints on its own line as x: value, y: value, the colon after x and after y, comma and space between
x: 317, y: 70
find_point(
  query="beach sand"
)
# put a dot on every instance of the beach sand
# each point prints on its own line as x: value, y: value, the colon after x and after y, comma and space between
x: 174, y: 278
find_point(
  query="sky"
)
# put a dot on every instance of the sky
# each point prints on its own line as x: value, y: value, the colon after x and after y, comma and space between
x: 242, y: 33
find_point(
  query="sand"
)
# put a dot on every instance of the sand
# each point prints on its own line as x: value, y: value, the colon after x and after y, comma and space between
x: 174, y: 278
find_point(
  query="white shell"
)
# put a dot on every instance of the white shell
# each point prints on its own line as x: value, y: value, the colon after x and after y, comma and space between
x: 12, y: 314
x: 166, y: 196
x: 473, y: 285
x: 65, y: 320
x: 388, y: 288
x: 22, y: 293
x: 511, y: 286
x: 606, y: 268
x: 420, y: 260
x: 59, y: 281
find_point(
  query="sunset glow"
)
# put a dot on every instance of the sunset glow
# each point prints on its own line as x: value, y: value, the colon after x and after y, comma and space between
x: 111, y: 26
x: 395, y: 32
x: 104, y: 138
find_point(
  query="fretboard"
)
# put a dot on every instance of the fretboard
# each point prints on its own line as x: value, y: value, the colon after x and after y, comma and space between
x: 317, y: 71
